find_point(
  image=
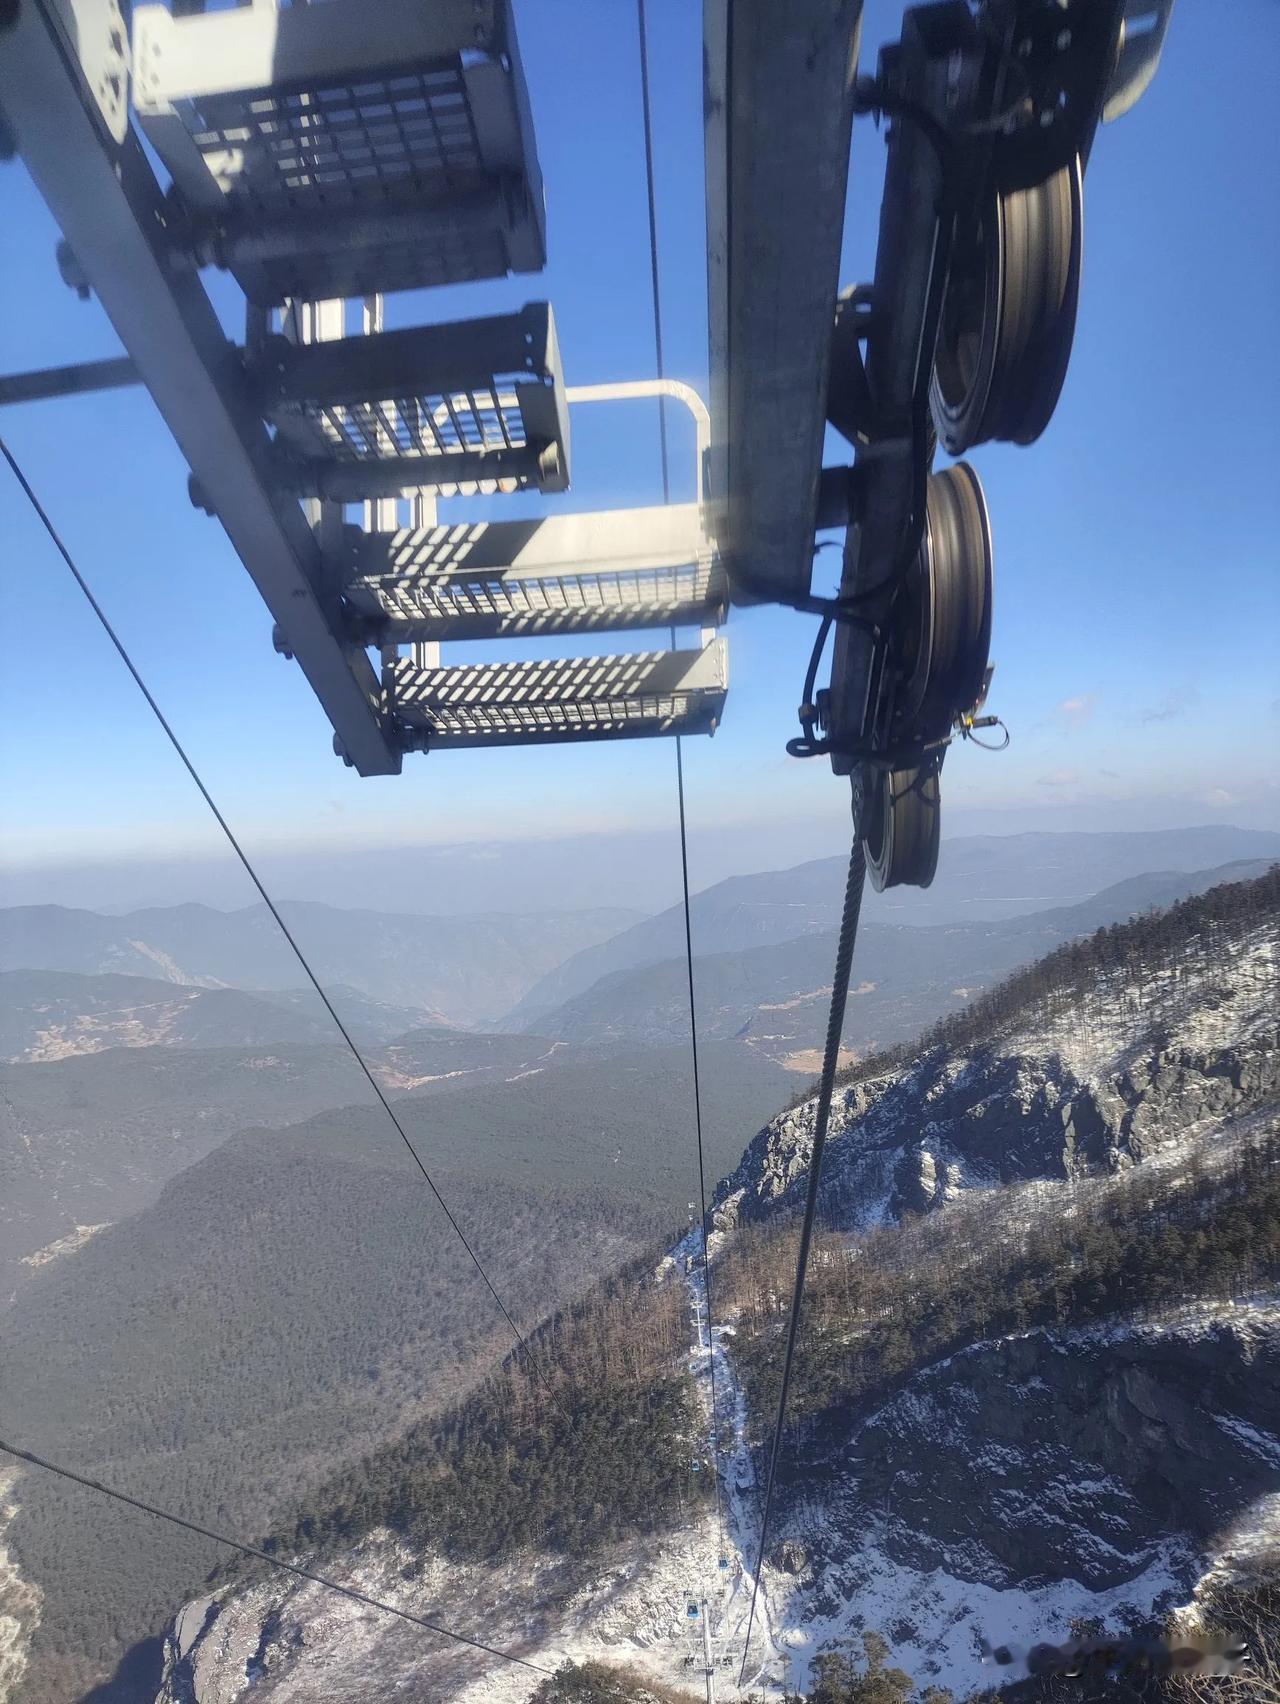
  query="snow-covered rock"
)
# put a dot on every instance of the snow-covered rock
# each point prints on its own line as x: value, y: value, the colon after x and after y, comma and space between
x: 20, y: 1600
x: 1083, y: 1087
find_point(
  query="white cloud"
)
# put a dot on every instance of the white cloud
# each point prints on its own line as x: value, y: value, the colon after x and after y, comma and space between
x: 1176, y: 702
x: 1060, y: 778
x: 1077, y: 710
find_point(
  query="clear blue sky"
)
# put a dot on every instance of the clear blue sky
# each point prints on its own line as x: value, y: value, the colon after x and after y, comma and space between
x: 1137, y: 604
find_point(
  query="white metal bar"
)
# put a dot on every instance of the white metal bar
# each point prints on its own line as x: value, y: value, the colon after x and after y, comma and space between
x: 636, y: 389
x: 381, y: 514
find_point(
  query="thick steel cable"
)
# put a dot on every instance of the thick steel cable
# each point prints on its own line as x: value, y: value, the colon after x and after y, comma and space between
x: 830, y: 1061
x: 660, y: 361
x: 252, y: 1550
x: 271, y: 906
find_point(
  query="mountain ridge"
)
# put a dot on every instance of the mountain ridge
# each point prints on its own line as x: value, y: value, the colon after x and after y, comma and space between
x: 775, y: 997
x: 466, y: 968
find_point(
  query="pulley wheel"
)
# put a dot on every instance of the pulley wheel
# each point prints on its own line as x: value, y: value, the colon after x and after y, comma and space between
x: 946, y: 609
x: 1009, y: 316
x: 900, y: 819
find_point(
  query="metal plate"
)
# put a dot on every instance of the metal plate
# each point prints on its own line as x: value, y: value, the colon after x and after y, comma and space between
x: 625, y: 568
x: 346, y: 148
x: 559, y: 699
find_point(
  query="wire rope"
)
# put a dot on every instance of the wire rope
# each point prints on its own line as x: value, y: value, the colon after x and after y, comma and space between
x: 651, y: 192
x: 252, y: 1550
x: 271, y: 906
x: 830, y: 1060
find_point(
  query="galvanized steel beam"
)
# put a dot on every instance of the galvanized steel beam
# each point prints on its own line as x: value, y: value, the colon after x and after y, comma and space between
x: 109, y: 206
x: 779, y: 112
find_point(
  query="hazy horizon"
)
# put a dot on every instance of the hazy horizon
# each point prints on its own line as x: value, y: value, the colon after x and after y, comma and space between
x: 556, y: 874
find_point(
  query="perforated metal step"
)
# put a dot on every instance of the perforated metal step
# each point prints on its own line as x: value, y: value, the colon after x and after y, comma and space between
x: 623, y: 569
x: 557, y: 700
x: 348, y: 147
x: 478, y: 404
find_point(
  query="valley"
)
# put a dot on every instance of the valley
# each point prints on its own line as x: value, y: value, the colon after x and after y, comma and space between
x: 230, y: 1291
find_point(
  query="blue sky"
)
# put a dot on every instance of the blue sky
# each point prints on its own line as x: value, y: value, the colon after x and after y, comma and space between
x: 1137, y: 600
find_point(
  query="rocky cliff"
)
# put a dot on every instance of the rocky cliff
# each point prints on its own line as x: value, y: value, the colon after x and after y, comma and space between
x: 1000, y: 1495
x: 1073, y: 1084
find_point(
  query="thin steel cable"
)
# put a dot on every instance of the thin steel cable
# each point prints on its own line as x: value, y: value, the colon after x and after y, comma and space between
x: 830, y: 1060
x: 660, y: 360
x: 647, y: 108
x: 34, y: 1460
x: 271, y: 906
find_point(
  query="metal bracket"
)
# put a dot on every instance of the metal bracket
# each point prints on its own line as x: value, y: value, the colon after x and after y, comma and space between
x: 850, y: 408
x: 97, y: 39
x: 1061, y: 55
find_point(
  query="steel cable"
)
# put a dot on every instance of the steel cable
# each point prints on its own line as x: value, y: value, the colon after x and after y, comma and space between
x: 830, y: 1061
x: 272, y: 908
x: 252, y: 1550
x: 647, y: 109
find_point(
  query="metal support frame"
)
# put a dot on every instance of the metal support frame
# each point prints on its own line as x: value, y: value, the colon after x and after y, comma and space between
x: 779, y: 112
x: 346, y: 148
x: 81, y: 379
x: 108, y: 204
x: 544, y: 589
x: 623, y: 568
x: 433, y: 407
x: 96, y: 38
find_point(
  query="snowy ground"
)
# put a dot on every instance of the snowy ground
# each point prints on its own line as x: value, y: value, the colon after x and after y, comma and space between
x: 633, y: 1612
x: 19, y: 1602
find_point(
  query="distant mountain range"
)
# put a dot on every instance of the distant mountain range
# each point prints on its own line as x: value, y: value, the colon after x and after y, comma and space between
x: 984, y: 878
x: 774, y: 998
x: 463, y: 970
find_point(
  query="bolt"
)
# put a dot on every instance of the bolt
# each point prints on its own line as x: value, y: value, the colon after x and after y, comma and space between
x: 73, y: 274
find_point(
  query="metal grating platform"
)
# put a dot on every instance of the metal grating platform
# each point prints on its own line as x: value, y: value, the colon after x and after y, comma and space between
x: 557, y: 700
x: 348, y: 147
x: 444, y: 408
x: 624, y: 569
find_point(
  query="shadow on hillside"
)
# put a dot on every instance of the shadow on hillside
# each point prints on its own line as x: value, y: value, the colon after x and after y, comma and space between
x: 137, y: 1676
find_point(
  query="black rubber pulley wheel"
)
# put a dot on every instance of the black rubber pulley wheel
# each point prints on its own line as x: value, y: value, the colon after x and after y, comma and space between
x: 945, y: 616
x: 900, y: 819
x: 1009, y: 316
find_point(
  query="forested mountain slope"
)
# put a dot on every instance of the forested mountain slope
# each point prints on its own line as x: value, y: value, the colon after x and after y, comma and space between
x: 295, y: 1298
x: 1053, y: 1398
x: 85, y: 1141
x: 277, y: 1313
